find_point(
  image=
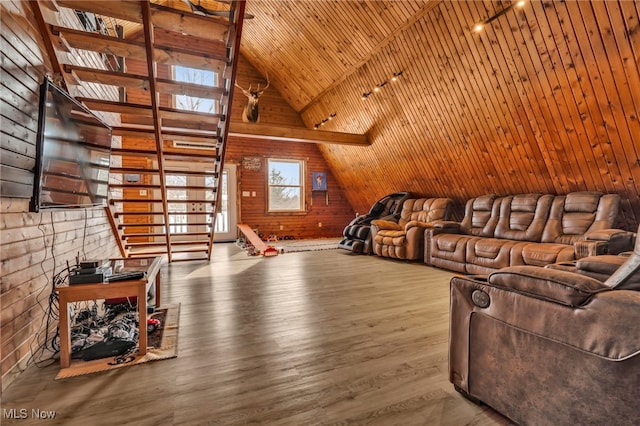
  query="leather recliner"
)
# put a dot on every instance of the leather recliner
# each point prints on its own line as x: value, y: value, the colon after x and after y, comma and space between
x: 357, y: 234
x: 405, y: 239
x: 546, y: 346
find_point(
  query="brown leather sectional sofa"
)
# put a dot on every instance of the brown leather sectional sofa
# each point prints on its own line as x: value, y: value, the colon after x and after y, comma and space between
x: 546, y: 346
x: 527, y: 229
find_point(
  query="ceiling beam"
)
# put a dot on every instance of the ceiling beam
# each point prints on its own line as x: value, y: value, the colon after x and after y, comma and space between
x: 295, y: 134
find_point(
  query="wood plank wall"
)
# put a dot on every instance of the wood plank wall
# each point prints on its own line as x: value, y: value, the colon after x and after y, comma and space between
x: 34, y: 245
x: 333, y: 215
x: 545, y: 99
x: 273, y: 108
x: 330, y: 209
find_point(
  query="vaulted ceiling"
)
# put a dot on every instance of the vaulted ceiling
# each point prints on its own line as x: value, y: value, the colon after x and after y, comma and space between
x: 310, y: 47
x: 544, y: 99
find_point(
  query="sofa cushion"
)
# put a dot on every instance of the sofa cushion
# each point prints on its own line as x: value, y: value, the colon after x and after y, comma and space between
x: 481, y: 216
x: 425, y: 210
x: 541, y: 254
x: 449, y: 251
x: 523, y: 217
x: 488, y: 254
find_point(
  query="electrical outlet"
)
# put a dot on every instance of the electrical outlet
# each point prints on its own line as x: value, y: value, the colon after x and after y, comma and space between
x: 281, y: 227
x: 319, y: 224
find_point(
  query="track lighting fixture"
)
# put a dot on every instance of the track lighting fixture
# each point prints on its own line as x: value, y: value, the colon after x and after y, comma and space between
x: 480, y: 25
x: 324, y: 121
x: 380, y: 86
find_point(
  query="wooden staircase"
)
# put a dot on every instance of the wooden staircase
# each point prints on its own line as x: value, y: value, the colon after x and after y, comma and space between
x: 166, y: 161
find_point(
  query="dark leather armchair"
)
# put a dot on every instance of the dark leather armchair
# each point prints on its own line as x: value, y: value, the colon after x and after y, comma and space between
x: 547, y: 346
x: 357, y: 234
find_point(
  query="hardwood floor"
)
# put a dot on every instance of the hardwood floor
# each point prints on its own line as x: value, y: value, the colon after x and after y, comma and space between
x: 303, y: 338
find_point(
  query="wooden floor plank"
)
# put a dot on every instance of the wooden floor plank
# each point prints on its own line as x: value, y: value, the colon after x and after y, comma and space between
x: 305, y: 338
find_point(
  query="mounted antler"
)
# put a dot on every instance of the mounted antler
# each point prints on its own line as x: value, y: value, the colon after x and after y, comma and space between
x: 250, y: 112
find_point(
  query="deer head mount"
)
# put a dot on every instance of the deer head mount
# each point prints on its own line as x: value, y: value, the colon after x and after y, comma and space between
x: 198, y: 9
x: 250, y: 114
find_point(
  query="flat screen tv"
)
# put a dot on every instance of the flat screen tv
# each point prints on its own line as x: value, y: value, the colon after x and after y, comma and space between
x: 72, y: 153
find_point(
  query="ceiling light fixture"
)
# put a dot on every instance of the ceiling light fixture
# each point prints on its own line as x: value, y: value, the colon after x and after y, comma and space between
x: 324, y: 121
x: 396, y: 75
x: 380, y: 86
x: 480, y: 26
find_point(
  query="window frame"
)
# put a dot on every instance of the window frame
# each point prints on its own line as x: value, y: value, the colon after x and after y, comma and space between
x: 216, y: 83
x: 301, y: 185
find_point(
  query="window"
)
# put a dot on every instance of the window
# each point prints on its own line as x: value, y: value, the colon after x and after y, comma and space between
x: 178, y: 209
x: 285, y: 185
x: 195, y: 76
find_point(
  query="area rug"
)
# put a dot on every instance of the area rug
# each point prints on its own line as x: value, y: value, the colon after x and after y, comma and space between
x: 290, y: 246
x: 161, y: 344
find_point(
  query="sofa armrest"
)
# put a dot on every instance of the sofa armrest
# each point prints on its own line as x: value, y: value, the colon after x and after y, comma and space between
x: 553, y: 285
x: 386, y: 224
x: 610, y: 235
x: 446, y: 226
x: 417, y: 224
x: 604, y: 241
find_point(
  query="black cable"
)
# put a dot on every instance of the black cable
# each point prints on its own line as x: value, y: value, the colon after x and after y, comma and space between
x: 53, y: 241
x: 84, y: 234
x: 41, y: 348
x: 49, y: 343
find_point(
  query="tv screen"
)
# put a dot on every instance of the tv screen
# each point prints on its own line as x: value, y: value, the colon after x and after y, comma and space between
x: 72, y: 153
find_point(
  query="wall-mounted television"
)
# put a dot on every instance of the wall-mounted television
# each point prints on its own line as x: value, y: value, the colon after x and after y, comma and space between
x: 72, y: 153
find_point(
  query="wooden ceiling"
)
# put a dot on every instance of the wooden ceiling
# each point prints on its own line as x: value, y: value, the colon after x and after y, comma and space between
x: 310, y: 47
x: 544, y: 99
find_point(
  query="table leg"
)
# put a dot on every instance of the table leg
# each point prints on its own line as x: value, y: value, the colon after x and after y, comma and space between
x: 157, y: 298
x: 65, y: 338
x: 142, y: 318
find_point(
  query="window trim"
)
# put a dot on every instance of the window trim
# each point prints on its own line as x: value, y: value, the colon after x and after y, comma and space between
x: 303, y: 200
x: 216, y: 83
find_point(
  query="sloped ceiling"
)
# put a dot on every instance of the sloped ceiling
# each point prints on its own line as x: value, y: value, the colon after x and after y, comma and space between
x: 544, y: 99
x: 310, y: 47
